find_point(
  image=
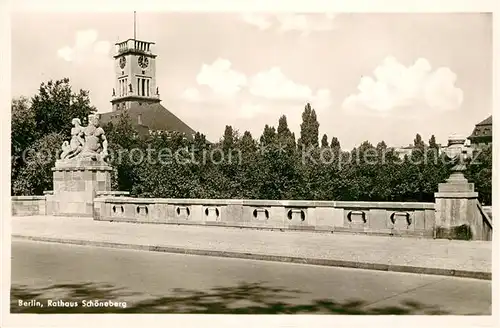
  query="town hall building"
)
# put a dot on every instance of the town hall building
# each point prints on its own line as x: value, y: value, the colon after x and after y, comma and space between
x: 137, y: 94
x: 482, y: 135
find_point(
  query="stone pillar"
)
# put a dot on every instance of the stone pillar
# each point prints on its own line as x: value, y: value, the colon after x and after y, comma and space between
x: 75, y: 185
x: 456, y: 205
x: 456, y: 201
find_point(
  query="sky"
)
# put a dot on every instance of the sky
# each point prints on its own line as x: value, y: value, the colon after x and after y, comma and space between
x: 369, y: 76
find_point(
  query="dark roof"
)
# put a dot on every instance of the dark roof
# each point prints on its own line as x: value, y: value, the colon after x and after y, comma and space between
x: 487, y: 121
x: 483, y: 131
x: 153, y: 116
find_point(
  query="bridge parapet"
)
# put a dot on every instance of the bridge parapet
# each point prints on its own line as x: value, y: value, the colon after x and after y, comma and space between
x: 385, y: 218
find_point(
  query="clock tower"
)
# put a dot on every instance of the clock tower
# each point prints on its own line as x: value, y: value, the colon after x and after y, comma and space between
x: 135, y: 71
x: 136, y: 93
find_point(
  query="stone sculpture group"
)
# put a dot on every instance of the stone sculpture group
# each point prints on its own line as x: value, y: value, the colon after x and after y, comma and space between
x: 87, y: 142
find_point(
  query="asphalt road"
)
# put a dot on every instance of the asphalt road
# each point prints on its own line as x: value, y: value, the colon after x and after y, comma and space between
x: 158, y: 282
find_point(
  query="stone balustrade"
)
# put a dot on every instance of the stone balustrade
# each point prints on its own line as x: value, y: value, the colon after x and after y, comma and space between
x: 28, y: 205
x: 390, y: 218
x: 486, y: 220
x: 383, y: 218
x: 112, y: 193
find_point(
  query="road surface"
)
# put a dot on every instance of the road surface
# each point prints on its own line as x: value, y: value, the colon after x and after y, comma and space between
x: 142, y: 282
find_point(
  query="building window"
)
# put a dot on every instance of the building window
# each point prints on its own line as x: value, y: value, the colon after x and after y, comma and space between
x: 147, y: 87
x: 138, y: 86
x: 143, y: 87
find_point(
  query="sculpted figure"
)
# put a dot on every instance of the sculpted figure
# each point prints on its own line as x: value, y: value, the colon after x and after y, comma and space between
x: 73, y: 148
x: 86, y: 142
x: 65, y: 150
x: 96, y: 144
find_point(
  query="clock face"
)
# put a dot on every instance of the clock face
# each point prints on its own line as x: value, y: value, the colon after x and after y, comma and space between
x: 143, y: 61
x: 123, y: 61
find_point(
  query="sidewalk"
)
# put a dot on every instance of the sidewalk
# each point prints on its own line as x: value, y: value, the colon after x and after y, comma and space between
x: 443, y: 257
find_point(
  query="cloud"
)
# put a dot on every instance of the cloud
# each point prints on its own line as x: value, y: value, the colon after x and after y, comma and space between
x: 221, y: 78
x: 322, y: 99
x: 262, y: 21
x: 395, y: 86
x: 86, y: 45
x: 285, y: 22
x: 273, y: 84
x: 248, y: 111
x: 269, y: 85
x: 65, y: 53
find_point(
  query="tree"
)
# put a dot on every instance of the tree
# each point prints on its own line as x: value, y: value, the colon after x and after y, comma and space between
x: 276, y: 164
x: 23, y: 124
x: 479, y: 171
x: 309, y: 128
x: 121, y: 132
x: 56, y: 105
x: 432, y: 142
x: 381, y: 146
x: 310, y: 171
x: 283, y: 130
x: 230, y: 162
x: 124, y: 142
x: 433, y: 151
x: 200, y: 144
x: 35, y: 176
x: 268, y: 136
x: 418, y: 143
x: 229, y: 138
x: 324, y: 141
x: 384, y: 173
x: 248, y: 170
x: 335, y: 144
x: 23, y: 132
x: 248, y: 144
x: 364, y: 171
x: 286, y: 138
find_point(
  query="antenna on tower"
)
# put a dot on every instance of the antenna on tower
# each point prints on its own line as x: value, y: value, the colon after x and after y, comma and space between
x: 134, y: 26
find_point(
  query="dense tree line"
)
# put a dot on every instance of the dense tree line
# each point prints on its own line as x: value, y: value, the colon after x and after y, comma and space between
x: 274, y: 165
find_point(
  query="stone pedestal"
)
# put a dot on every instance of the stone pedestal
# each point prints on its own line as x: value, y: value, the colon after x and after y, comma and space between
x: 75, y: 185
x: 456, y: 206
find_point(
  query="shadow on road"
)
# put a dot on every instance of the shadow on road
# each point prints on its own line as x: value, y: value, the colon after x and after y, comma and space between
x: 254, y: 298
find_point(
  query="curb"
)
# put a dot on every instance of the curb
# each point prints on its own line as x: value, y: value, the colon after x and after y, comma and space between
x: 263, y: 257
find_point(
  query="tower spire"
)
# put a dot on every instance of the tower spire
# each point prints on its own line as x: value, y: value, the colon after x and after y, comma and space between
x: 134, y: 26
